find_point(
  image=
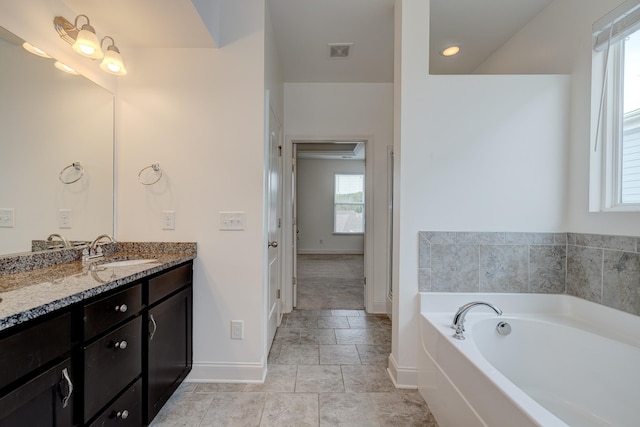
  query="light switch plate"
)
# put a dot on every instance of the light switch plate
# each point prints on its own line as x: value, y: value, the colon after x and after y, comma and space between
x: 232, y: 221
x: 64, y: 218
x: 7, y: 216
x: 168, y: 220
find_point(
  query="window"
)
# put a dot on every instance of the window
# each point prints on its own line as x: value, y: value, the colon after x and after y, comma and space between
x: 615, y: 167
x: 348, y: 203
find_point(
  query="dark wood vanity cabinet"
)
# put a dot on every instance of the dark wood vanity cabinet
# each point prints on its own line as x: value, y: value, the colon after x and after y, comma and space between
x: 36, y: 375
x: 169, y: 336
x: 114, y: 359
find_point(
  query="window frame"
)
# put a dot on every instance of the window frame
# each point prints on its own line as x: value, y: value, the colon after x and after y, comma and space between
x: 605, y: 188
x: 336, y: 203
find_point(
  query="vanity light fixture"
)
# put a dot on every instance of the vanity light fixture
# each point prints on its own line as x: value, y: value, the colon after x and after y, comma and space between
x: 32, y: 49
x: 64, y: 67
x: 87, y: 42
x: 112, y: 61
x: 450, y: 51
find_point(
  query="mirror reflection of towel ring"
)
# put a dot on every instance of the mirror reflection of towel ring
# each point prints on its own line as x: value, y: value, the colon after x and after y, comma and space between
x: 75, y: 165
x: 156, y: 168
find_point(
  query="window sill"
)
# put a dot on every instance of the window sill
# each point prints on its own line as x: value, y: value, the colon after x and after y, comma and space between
x: 359, y: 233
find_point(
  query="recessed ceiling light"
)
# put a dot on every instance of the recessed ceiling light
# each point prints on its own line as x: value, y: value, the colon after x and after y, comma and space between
x: 450, y: 51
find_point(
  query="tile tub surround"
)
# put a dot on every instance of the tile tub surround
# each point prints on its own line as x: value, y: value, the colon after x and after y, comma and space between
x: 601, y: 268
x: 28, y: 294
x: 605, y: 269
x: 492, y: 262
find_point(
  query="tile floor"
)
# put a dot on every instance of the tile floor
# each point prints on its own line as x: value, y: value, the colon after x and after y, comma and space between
x: 326, y: 368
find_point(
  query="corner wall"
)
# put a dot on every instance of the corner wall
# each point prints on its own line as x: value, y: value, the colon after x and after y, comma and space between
x: 478, y: 153
x: 202, y: 120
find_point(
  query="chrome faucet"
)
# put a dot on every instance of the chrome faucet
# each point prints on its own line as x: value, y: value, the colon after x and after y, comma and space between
x: 65, y: 242
x: 458, y: 318
x: 95, y: 251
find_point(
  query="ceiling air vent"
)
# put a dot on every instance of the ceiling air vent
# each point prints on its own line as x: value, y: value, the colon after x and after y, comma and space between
x: 340, y: 50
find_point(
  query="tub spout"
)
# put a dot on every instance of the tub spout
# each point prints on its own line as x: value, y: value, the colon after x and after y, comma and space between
x: 458, y: 318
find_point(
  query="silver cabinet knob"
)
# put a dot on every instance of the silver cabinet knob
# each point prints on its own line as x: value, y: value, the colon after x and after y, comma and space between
x: 121, y: 308
x: 121, y: 344
x: 273, y: 244
x: 123, y: 414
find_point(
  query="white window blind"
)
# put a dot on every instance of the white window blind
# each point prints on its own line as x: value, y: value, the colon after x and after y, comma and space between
x: 630, y: 179
x: 616, y: 25
x: 348, y: 206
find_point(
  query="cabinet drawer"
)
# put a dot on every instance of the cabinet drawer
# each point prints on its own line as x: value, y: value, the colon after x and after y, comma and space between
x: 171, y: 281
x: 124, y: 412
x: 110, y: 364
x: 32, y: 348
x: 106, y: 312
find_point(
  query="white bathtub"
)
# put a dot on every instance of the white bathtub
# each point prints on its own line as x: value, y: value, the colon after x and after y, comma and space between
x: 566, y: 362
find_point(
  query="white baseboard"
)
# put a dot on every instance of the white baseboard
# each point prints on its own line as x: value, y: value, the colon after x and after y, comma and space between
x: 210, y: 372
x: 329, y: 252
x: 378, y: 308
x: 402, y: 376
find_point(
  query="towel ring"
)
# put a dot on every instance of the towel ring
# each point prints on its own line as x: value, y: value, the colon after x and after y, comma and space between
x: 75, y: 165
x: 156, y: 168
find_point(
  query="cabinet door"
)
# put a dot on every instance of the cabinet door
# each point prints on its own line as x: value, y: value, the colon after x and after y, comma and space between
x: 169, y: 349
x: 46, y: 400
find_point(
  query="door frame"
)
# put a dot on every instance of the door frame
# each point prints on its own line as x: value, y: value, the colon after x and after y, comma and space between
x: 288, y: 235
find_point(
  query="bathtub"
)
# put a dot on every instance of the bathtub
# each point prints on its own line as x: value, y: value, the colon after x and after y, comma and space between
x: 566, y: 362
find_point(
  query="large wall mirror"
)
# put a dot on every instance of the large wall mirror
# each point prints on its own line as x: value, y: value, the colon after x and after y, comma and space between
x: 50, y: 120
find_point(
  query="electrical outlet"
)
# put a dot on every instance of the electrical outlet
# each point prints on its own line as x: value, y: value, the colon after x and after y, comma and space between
x: 168, y: 220
x: 64, y: 218
x: 237, y: 329
x: 7, y: 218
x: 231, y: 221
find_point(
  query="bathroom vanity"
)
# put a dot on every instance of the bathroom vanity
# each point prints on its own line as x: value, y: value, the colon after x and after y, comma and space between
x: 94, y: 345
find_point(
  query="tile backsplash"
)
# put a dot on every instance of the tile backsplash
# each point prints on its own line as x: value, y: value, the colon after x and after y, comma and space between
x: 600, y: 268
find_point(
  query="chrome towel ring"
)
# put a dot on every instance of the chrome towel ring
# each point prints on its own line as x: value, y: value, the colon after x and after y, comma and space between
x: 156, y: 169
x: 75, y: 165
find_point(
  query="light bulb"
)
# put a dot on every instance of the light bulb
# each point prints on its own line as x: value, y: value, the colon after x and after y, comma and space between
x: 112, y: 62
x: 87, y: 43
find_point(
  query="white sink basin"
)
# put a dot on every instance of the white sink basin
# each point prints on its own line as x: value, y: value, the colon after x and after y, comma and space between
x: 127, y: 262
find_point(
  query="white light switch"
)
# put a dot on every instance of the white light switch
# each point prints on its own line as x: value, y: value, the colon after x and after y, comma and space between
x: 168, y: 220
x: 64, y: 218
x: 7, y: 217
x: 231, y: 221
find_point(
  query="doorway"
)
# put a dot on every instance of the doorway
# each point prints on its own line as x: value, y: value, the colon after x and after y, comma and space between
x: 329, y: 195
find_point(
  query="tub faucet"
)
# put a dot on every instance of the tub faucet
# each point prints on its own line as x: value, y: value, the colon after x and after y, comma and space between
x: 65, y: 242
x: 458, y: 319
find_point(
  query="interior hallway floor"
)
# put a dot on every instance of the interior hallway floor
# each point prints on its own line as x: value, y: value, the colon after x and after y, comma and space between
x: 326, y: 368
x: 330, y: 281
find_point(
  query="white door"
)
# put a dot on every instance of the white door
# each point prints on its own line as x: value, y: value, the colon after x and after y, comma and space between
x: 274, y: 204
x: 294, y: 214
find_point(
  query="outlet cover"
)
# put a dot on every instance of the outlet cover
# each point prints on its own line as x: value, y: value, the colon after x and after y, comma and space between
x: 7, y: 217
x: 237, y: 329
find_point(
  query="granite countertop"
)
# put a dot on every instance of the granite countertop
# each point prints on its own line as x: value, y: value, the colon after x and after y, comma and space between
x: 26, y: 295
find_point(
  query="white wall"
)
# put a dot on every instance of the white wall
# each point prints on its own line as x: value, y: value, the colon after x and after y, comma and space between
x: 343, y: 110
x: 202, y: 119
x: 559, y: 40
x: 315, y: 207
x: 478, y: 153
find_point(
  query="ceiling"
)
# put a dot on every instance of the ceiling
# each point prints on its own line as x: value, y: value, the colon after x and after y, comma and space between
x: 146, y: 23
x: 303, y: 28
